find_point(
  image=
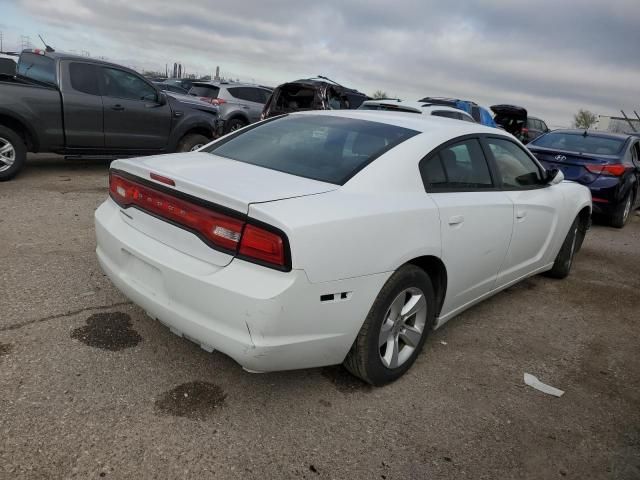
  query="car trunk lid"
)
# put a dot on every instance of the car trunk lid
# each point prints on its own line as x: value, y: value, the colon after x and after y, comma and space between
x: 511, y: 117
x: 219, y: 184
x: 572, y: 164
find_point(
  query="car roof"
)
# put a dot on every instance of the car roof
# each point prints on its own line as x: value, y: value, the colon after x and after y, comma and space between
x: 70, y: 56
x: 594, y: 133
x: 419, y: 123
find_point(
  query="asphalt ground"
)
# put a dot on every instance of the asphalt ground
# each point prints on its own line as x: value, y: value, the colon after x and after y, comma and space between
x: 90, y: 387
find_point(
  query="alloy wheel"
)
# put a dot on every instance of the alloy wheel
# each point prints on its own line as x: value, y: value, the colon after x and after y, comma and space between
x: 7, y: 154
x: 403, y: 327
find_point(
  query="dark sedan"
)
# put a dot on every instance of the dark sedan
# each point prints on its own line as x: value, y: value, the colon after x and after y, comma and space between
x: 607, y: 163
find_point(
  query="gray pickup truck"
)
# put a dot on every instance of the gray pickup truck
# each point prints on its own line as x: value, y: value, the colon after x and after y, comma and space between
x: 74, y: 105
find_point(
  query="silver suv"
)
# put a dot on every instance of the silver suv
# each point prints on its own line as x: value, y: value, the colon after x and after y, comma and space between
x: 240, y: 103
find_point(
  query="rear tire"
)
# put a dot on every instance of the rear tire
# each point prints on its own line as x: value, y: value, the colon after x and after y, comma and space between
x: 191, y: 142
x: 390, y: 340
x: 234, y: 124
x: 622, y: 212
x: 13, y: 154
x: 564, y: 260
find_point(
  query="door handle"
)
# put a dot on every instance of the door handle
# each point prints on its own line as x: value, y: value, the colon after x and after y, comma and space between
x: 456, y: 220
x: 520, y: 214
x: 117, y: 107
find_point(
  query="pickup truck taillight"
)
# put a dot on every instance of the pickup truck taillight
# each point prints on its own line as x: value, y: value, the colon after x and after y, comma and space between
x: 249, y: 240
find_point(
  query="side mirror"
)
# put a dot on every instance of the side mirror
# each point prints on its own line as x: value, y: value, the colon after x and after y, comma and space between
x: 554, y: 176
x: 162, y: 98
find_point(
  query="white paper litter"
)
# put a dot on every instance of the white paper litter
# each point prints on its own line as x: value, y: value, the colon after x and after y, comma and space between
x: 543, y: 387
x: 442, y: 342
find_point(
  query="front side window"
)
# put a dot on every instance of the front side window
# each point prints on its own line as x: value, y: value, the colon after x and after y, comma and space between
x: 461, y: 166
x: 320, y: 147
x: 516, y: 168
x: 121, y: 84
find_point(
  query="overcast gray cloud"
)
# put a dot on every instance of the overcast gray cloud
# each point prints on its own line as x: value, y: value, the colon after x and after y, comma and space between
x: 552, y: 57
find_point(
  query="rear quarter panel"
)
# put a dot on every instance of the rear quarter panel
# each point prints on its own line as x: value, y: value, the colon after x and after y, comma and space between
x: 340, y: 235
x: 38, y: 108
x: 376, y: 222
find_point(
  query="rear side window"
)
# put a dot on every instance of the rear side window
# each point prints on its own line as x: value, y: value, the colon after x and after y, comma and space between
x: 208, y: 91
x: 37, y: 67
x: 516, y: 168
x: 84, y: 78
x: 461, y: 166
x: 324, y: 148
x: 248, y: 94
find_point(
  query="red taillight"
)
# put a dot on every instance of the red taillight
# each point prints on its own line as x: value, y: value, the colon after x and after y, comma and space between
x: 262, y: 245
x: 599, y: 200
x: 615, y: 169
x: 525, y: 130
x: 218, y: 101
x: 217, y: 229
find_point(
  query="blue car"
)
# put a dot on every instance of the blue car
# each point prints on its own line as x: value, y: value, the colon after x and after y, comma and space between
x: 479, y: 114
x: 607, y: 163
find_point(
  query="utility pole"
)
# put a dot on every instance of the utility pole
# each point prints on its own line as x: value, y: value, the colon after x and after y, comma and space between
x: 25, y: 42
x: 1, y: 43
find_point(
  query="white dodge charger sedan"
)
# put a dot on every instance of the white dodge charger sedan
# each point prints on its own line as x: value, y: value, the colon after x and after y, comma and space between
x: 326, y: 237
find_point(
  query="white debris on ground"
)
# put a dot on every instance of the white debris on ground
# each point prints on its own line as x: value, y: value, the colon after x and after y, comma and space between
x: 543, y: 387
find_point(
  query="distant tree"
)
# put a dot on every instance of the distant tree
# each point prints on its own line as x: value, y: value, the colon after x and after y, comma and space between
x: 584, y: 119
x: 378, y: 94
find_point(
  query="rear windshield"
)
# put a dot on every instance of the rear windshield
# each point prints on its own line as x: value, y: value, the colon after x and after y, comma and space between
x: 576, y: 142
x: 37, y: 67
x: 390, y: 108
x: 320, y: 147
x: 208, y: 91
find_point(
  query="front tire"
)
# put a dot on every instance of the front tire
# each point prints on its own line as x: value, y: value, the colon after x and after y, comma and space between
x: 192, y: 142
x: 13, y: 154
x: 564, y: 260
x: 622, y: 212
x: 395, y: 329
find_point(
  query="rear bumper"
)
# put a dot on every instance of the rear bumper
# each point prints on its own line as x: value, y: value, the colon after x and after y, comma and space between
x: 264, y: 319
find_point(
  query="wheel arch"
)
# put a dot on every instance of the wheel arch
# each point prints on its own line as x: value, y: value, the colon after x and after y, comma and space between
x: 238, y: 116
x: 21, y: 129
x: 437, y: 271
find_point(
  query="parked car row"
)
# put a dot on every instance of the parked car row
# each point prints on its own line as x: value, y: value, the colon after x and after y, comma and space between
x: 91, y: 107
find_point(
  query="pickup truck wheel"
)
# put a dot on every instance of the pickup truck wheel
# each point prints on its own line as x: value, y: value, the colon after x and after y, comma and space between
x: 13, y: 154
x: 192, y: 142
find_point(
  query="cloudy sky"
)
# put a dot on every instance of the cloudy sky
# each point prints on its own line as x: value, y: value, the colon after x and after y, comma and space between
x: 552, y: 57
